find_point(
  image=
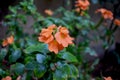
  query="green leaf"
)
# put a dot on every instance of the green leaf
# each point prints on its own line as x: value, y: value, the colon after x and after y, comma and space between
x: 43, y: 48
x: 1, y: 72
x: 39, y: 71
x: 15, y: 55
x: 74, y: 73
x: 65, y: 71
x: 3, y: 53
x: 30, y: 65
x: 64, y: 68
x: 58, y: 75
x: 13, y: 10
x: 8, y: 16
x: 17, y: 68
x: 40, y: 58
x: 67, y: 56
x: 47, y: 22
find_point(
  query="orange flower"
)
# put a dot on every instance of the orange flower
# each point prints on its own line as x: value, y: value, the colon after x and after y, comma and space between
x: 46, y: 39
x: 4, y: 43
x: 117, y: 22
x: 63, y: 37
x: 56, y: 38
x: 7, y: 78
x: 8, y: 41
x: 82, y: 4
x: 46, y: 34
x: 49, y: 12
x: 55, y: 46
x: 107, y: 78
x: 106, y: 14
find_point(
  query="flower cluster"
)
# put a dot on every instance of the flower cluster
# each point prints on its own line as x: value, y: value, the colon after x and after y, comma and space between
x: 82, y: 5
x: 56, y: 37
x: 8, y: 41
x: 106, y: 14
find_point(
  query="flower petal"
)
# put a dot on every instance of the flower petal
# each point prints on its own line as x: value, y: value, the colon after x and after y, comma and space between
x: 10, y: 39
x: 46, y: 39
x: 61, y: 39
x: 4, y: 43
x: 53, y: 46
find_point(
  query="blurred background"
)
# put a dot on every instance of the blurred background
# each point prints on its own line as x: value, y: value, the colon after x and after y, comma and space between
x: 42, y: 5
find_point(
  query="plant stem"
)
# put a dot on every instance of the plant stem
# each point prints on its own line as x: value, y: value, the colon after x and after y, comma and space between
x: 115, y: 28
x: 99, y: 23
x: 111, y: 25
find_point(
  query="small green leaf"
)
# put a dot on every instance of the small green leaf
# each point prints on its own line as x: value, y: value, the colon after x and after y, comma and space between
x: 8, y: 16
x: 67, y: 56
x: 39, y: 71
x: 74, y: 73
x: 64, y: 68
x: 66, y: 71
x: 43, y: 48
x: 40, y: 58
x: 3, y: 53
x: 17, y: 68
x: 13, y: 10
x: 15, y: 55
